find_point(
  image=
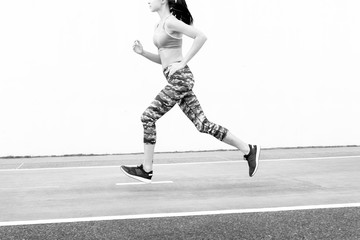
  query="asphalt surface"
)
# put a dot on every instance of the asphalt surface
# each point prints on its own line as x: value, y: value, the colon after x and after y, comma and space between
x: 85, y: 187
x: 307, y: 224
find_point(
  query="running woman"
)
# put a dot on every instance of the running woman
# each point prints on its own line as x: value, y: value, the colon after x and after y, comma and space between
x: 176, y: 21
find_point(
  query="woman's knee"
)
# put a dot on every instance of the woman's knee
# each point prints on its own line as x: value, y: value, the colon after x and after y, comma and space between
x: 211, y: 128
x: 149, y: 128
x: 146, y: 118
x: 203, y: 126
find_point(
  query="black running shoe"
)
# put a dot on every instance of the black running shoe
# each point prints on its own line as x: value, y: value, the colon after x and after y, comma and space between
x: 253, y: 159
x: 137, y: 173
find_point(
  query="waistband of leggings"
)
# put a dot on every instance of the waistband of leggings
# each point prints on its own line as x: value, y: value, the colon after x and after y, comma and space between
x: 167, y: 67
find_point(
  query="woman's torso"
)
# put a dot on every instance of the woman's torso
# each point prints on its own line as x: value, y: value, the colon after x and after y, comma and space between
x: 169, y: 45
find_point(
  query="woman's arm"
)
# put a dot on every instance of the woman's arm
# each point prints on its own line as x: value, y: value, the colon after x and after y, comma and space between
x: 138, y: 48
x: 175, y: 25
x: 151, y: 56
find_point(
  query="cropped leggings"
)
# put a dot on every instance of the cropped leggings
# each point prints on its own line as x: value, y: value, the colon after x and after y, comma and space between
x: 178, y: 91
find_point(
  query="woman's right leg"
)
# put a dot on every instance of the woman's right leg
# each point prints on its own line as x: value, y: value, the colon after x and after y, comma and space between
x: 162, y: 103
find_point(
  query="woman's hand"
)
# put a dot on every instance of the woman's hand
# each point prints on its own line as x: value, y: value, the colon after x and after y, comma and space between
x: 175, y: 67
x: 138, y: 48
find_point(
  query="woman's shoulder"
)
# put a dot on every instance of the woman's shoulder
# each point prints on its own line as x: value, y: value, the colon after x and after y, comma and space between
x: 172, y: 22
x: 171, y: 27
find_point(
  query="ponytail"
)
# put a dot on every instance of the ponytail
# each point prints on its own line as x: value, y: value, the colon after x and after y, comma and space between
x: 179, y: 9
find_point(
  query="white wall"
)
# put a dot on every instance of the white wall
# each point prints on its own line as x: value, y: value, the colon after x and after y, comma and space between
x: 280, y: 73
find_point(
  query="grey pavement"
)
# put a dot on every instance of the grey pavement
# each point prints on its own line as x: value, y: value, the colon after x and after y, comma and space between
x: 46, y: 188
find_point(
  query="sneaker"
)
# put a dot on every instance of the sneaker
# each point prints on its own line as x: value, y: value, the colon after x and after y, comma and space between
x: 253, y: 159
x: 137, y: 173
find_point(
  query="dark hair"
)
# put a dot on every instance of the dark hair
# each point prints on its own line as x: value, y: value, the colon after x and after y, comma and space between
x: 179, y: 9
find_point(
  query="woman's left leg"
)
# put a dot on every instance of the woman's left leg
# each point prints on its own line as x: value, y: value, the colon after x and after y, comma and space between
x: 190, y: 105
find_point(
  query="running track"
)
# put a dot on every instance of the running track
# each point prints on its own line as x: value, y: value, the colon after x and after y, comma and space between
x: 309, y: 193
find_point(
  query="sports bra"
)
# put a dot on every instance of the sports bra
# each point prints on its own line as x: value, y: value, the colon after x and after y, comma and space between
x: 163, y: 39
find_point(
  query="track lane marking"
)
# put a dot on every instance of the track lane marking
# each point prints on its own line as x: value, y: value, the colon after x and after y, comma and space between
x: 188, y: 163
x: 142, y: 183
x: 20, y: 166
x: 178, y: 214
x: 28, y: 188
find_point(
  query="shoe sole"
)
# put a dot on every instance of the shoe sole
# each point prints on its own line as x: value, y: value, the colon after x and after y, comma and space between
x: 144, y: 180
x: 256, y: 160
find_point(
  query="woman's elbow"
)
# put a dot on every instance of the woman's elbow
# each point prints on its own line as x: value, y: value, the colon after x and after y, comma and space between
x: 203, y: 37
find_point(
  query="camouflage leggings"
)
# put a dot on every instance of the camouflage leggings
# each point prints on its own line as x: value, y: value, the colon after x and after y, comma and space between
x: 179, y: 90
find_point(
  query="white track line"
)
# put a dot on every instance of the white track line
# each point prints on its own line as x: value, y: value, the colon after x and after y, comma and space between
x: 179, y: 214
x: 28, y: 188
x: 187, y: 163
x: 20, y: 166
x: 142, y: 183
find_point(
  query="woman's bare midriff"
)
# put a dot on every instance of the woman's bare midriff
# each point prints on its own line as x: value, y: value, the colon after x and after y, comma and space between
x: 169, y: 56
